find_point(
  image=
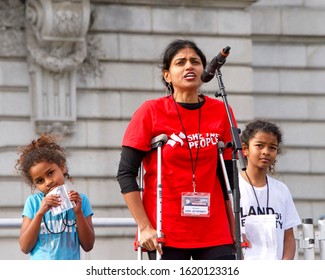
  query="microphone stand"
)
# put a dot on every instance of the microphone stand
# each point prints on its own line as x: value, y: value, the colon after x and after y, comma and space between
x: 236, y: 146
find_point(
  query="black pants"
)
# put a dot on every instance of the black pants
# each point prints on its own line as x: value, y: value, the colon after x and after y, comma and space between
x: 224, y: 252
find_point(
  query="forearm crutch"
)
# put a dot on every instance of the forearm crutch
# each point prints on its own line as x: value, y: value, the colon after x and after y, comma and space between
x: 221, y: 147
x: 156, y: 143
x: 141, y: 187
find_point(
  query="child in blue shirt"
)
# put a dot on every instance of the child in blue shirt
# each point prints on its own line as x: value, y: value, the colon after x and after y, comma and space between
x: 43, y: 235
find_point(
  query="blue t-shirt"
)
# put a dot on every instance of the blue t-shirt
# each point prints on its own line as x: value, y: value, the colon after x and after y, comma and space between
x: 59, y: 240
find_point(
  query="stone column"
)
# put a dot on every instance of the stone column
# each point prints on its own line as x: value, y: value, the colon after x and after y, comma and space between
x: 56, y: 42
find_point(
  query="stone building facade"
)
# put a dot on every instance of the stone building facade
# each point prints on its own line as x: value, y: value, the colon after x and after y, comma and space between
x: 80, y: 68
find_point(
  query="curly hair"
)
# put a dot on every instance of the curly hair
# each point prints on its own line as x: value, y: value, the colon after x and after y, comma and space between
x: 45, y: 148
x: 262, y: 126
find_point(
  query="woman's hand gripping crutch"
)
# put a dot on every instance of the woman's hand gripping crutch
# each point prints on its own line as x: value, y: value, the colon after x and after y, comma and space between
x: 156, y: 143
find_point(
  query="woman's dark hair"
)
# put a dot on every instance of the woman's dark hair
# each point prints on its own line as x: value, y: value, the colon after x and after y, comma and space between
x: 172, y: 49
x: 261, y: 126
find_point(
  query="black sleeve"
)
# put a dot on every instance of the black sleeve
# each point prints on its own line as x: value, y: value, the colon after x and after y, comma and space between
x: 128, y: 169
x: 229, y: 169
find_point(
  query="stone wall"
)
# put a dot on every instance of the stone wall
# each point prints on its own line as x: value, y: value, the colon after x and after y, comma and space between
x: 274, y: 71
x: 289, y: 88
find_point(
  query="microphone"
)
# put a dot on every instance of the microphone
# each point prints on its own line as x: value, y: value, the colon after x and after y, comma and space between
x: 216, y: 63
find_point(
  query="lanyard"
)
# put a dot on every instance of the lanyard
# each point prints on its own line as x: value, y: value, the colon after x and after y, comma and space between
x: 267, y: 191
x: 65, y: 223
x: 193, y: 163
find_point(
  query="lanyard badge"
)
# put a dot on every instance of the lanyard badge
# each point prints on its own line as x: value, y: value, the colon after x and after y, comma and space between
x: 195, y: 204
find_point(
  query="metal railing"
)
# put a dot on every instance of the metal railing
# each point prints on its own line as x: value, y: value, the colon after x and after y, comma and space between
x: 310, y: 239
x: 97, y: 222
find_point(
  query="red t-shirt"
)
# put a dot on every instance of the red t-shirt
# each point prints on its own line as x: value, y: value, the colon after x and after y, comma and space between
x: 160, y: 116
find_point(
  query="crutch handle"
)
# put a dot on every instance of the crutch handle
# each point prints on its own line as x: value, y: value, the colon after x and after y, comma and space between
x: 244, y: 244
x: 137, y: 244
x: 161, y: 240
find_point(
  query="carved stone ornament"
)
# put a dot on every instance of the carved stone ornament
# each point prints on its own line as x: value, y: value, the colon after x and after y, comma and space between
x: 12, y: 22
x: 56, y: 42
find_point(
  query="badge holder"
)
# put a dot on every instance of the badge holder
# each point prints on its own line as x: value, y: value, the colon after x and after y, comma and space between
x: 156, y: 143
x: 195, y: 204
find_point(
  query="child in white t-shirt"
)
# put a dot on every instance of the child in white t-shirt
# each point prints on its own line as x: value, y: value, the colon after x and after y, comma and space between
x: 268, y: 213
